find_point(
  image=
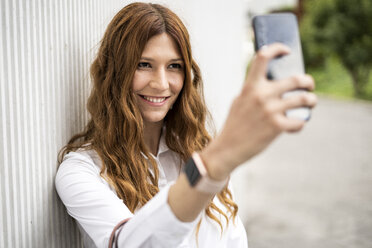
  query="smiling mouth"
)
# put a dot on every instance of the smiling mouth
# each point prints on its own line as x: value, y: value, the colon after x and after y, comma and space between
x: 154, y: 99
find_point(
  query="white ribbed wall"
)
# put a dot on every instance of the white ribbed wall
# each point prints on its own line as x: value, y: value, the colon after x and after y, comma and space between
x: 46, y: 48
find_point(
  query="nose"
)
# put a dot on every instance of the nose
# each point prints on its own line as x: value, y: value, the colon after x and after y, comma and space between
x: 160, y: 80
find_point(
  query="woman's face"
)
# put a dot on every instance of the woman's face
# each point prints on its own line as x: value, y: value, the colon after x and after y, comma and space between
x: 158, y: 78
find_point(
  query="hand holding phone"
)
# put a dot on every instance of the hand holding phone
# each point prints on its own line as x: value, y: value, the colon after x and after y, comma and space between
x: 282, y: 28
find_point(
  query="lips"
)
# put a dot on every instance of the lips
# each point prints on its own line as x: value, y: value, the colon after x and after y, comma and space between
x: 155, y: 99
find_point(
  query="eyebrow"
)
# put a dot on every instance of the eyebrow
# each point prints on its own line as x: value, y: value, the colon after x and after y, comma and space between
x: 172, y: 60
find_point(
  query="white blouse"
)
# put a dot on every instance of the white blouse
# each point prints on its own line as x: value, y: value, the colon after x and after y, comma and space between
x: 94, y: 204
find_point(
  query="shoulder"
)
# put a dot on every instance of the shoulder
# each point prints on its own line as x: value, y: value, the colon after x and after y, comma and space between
x: 80, y: 161
x: 82, y: 167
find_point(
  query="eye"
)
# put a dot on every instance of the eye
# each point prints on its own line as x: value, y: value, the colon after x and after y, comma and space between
x: 175, y: 66
x: 144, y: 65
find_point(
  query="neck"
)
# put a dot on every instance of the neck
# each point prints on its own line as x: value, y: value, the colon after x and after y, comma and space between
x: 152, y: 132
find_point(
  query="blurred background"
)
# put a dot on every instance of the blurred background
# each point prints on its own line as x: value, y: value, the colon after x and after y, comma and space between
x: 310, y: 189
x: 313, y: 189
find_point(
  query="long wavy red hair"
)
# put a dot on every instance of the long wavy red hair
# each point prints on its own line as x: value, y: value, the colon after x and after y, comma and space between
x: 115, y: 130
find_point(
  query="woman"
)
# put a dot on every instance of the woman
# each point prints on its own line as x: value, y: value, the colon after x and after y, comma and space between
x: 146, y: 156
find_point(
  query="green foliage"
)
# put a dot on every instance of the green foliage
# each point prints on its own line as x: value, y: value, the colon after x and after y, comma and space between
x: 342, y: 28
x: 312, y: 44
x: 333, y: 79
x: 282, y: 9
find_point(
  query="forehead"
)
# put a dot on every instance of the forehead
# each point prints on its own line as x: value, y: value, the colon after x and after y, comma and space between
x: 162, y: 45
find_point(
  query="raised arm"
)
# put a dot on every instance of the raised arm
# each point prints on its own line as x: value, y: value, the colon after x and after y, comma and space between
x: 255, y: 119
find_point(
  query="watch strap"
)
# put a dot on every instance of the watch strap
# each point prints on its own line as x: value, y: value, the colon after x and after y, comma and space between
x: 198, y: 178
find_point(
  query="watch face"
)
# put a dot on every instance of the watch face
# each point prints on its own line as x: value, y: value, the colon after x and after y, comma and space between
x: 192, y: 172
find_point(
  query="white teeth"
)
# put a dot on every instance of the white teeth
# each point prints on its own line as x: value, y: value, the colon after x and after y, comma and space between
x: 154, y: 99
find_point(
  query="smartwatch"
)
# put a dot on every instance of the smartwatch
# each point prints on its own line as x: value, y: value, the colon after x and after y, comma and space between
x: 197, y: 176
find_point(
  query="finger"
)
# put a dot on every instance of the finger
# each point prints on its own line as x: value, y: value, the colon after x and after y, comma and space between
x: 258, y: 69
x: 290, y: 125
x: 295, y: 82
x: 304, y: 99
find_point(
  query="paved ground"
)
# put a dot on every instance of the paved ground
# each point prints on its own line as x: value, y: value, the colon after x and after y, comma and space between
x: 313, y: 189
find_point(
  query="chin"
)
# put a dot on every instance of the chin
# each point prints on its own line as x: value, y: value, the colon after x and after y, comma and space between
x: 154, y: 118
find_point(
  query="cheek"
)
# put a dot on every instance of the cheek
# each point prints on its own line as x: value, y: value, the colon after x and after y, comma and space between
x: 177, y: 83
x: 139, y: 81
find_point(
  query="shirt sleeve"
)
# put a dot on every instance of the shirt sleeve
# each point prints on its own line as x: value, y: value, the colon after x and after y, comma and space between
x: 90, y: 201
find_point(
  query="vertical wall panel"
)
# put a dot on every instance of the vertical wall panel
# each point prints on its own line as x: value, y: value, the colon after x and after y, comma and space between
x: 3, y: 136
x: 46, y: 50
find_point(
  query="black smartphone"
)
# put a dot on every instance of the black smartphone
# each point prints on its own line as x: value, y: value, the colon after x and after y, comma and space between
x: 283, y: 28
